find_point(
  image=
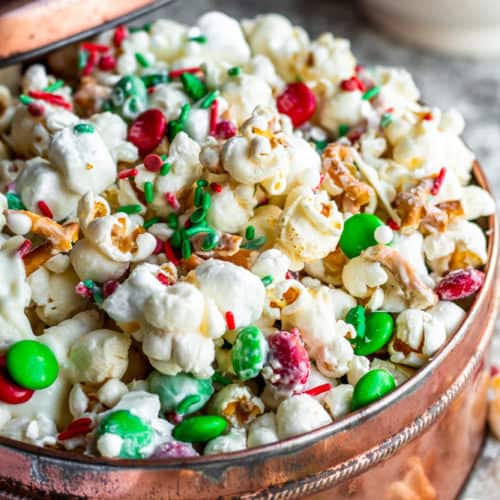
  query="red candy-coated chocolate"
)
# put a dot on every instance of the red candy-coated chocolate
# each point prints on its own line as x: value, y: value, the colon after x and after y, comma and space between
x: 298, y: 102
x: 36, y: 109
x: 460, y: 284
x: 153, y: 163
x: 10, y: 392
x: 225, y: 129
x: 288, y: 360
x: 147, y: 130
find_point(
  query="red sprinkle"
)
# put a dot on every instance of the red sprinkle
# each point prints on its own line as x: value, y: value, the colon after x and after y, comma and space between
x: 126, y: 174
x: 159, y: 246
x: 459, y: 284
x: 321, y: 180
x: 94, y: 47
x: 10, y: 392
x: 24, y: 249
x: 172, y: 200
x: 76, y: 428
x: 427, y: 117
x: 36, y: 109
x: 353, y: 83
x: 147, y: 130
x: 169, y: 252
x: 214, y: 113
x: 438, y: 182
x: 44, y: 208
x: 107, y: 62
x: 290, y: 275
x: 163, y: 279
x: 109, y: 287
x: 119, y: 35
x: 178, y: 72
x: 151, y: 90
x: 83, y: 291
x: 54, y: 99
x: 298, y: 102
x: 187, y: 223
x: 494, y: 370
x: 319, y: 389
x: 230, y: 320
x: 225, y: 129
x: 359, y: 68
x: 216, y: 188
x: 90, y: 65
x: 354, y: 135
x: 153, y: 163
x: 392, y: 224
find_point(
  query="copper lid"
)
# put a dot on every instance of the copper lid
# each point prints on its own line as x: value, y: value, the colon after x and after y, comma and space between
x: 31, y: 28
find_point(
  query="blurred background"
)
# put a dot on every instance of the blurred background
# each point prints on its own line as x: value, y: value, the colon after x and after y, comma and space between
x: 469, y: 83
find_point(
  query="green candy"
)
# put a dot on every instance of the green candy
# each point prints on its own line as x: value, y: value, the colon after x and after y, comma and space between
x: 14, y: 201
x: 32, y: 365
x: 136, y: 434
x: 379, y: 328
x: 359, y: 234
x: 154, y: 79
x: 372, y: 386
x: 199, y: 429
x: 84, y: 128
x: 249, y: 352
x: 128, y: 97
x: 356, y: 317
x: 181, y: 393
x: 193, y: 86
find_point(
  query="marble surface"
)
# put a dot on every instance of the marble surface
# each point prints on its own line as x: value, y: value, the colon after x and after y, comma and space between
x: 472, y: 86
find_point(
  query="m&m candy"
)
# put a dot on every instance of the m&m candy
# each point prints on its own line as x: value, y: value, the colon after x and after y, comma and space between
x: 199, y: 429
x: 359, y: 234
x: 372, y: 386
x: 249, y: 352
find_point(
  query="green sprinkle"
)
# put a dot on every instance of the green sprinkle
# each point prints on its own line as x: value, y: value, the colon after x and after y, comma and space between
x: 198, y: 215
x: 386, y: 120
x: 371, y: 93
x: 165, y: 169
x: 83, y: 57
x: 151, y: 222
x: 198, y: 196
x: 198, y: 39
x: 107, y: 106
x: 267, y: 280
x: 254, y: 244
x: 191, y: 231
x: 185, y: 110
x: 202, y: 183
x: 193, y: 86
x: 174, y: 127
x: 130, y: 209
x: 24, y: 99
x: 209, y: 242
x: 206, y: 201
x: 149, y: 192
x: 186, y: 249
x: 220, y: 379
x: 187, y: 402
x: 14, y: 201
x: 320, y: 145
x: 97, y: 296
x: 172, y: 220
x: 176, y: 239
x: 141, y: 59
x: 144, y: 27
x: 84, y: 128
x: 54, y: 86
x: 250, y: 233
x: 154, y: 79
x: 343, y: 130
x: 234, y: 71
x: 209, y: 99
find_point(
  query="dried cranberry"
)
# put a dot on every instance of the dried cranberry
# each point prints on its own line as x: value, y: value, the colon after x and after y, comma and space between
x: 460, y: 284
x: 175, y: 449
x: 298, y: 102
x: 288, y: 361
x: 225, y: 129
x: 147, y: 130
x: 10, y: 392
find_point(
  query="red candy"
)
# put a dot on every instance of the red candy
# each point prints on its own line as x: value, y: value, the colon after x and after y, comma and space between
x: 147, y: 130
x: 288, y: 360
x: 459, y: 284
x: 353, y: 83
x: 438, y: 182
x: 298, y: 102
x: 107, y: 62
x: 76, y: 428
x: 153, y: 163
x: 319, y: 389
x: 10, y: 392
x: 119, y: 35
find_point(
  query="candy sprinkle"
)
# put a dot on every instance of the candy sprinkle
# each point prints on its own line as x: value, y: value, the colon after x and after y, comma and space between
x: 386, y: 120
x: 267, y: 280
x: 214, y: 112
x: 186, y: 249
x: 393, y: 224
x: 193, y: 86
x: 130, y: 209
x: 163, y: 279
x: 170, y: 254
x: 319, y: 389
x: 235, y: 71
x: 90, y: 64
x: 24, y: 99
x: 172, y: 200
x: 438, y: 182
x: 254, y: 244
x: 231, y: 324
x: 141, y: 59
x: 151, y: 222
x: 250, y: 233
x: 198, y: 39
x: 35, y: 109
x: 165, y: 169
x: 178, y: 72
x: 343, y: 130
x: 24, y: 249
x: 209, y: 99
x: 94, y: 47
x: 371, y: 93
x: 54, y: 86
x: 119, y: 35
x: 54, y: 99
x: 44, y: 209
x: 128, y: 173
x: 172, y: 221
x: 216, y: 188
x: 148, y: 192
x: 84, y: 128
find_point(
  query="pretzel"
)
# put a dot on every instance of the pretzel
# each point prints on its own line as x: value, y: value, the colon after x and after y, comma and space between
x: 419, y: 295
x: 227, y: 245
x: 411, y: 205
x: 89, y: 97
x: 334, y: 263
x: 339, y: 165
x: 439, y: 216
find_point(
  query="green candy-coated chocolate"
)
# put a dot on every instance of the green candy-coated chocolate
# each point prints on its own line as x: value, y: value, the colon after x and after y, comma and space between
x: 379, y: 328
x: 372, y: 386
x: 14, y: 201
x: 136, y: 434
x: 32, y: 365
x: 359, y: 234
x: 176, y: 391
x: 249, y: 352
x: 356, y: 317
x: 199, y: 429
x: 128, y: 97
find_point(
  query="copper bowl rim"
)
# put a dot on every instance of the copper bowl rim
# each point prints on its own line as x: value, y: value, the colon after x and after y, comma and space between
x: 300, y: 442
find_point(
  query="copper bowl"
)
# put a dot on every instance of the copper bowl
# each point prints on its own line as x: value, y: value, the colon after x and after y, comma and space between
x: 418, y: 442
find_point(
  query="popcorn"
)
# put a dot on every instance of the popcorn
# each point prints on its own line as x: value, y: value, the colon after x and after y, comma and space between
x: 360, y: 277
x: 262, y: 431
x: 234, y: 440
x: 338, y: 400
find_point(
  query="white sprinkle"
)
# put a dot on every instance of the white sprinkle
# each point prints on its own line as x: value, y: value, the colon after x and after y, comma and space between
x: 19, y: 223
x: 383, y: 235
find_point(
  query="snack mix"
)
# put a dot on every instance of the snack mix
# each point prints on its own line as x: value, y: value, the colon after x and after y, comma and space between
x: 222, y: 236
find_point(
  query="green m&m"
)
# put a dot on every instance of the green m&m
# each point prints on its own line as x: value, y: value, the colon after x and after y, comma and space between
x: 249, y: 352
x: 199, y: 429
x: 372, y: 386
x: 32, y: 365
x: 359, y: 234
x: 379, y: 326
x: 137, y: 435
x: 128, y: 97
x: 356, y: 317
x: 181, y: 393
